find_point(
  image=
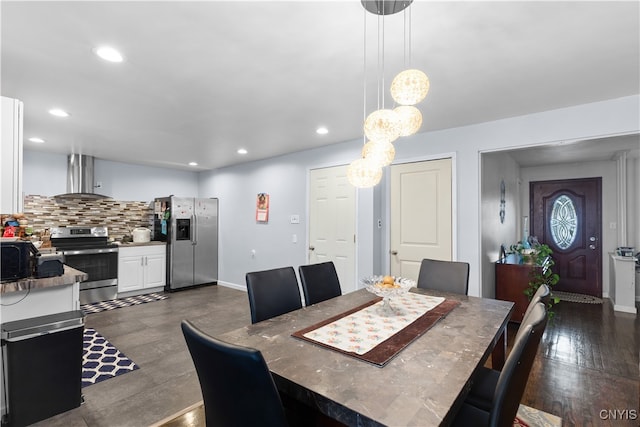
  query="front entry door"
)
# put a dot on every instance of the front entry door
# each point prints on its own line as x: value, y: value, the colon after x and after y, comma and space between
x: 332, y: 222
x: 421, y: 222
x: 567, y: 216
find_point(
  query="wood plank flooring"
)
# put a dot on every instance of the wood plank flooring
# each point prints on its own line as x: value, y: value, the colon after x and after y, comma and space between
x: 587, y: 362
x: 586, y: 370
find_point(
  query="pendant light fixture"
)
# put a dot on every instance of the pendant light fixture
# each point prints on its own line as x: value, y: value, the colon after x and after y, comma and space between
x: 363, y: 173
x: 380, y: 153
x: 410, y: 119
x: 409, y: 87
x: 383, y: 126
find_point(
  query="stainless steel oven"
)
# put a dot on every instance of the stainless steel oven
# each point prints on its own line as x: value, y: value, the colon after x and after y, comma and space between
x: 87, y: 249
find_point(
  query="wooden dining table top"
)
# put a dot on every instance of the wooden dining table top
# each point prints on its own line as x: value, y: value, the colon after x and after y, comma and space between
x: 423, y: 385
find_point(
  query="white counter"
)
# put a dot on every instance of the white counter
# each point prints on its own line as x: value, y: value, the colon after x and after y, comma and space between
x: 27, y: 298
x: 622, y: 283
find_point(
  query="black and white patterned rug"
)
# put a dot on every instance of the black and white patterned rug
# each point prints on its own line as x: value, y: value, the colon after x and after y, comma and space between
x: 101, y: 360
x: 97, y: 307
x: 581, y: 298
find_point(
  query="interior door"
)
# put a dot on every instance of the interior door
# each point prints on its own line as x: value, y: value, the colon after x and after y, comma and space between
x: 567, y: 216
x: 421, y: 222
x: 332, y: 223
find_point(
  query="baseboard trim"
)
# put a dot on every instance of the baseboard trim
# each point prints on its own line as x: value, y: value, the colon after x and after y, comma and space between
x: 232, y: 286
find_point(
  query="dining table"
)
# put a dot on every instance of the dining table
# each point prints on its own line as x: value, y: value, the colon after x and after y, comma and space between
x: 423, y: 383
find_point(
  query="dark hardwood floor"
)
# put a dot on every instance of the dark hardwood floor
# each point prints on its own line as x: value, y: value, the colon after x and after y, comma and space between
x: 586, y: 370
x: 587, y: 364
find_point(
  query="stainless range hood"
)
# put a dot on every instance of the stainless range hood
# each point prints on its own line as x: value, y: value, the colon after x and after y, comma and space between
x: 80, y: 178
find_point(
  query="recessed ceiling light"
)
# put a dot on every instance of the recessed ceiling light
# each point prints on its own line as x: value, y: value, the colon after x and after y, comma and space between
x: 242, y: 151
x: 108, y: 54
x: 58, y: 112
x: 322, y: 130
x: 36, y: 140
x: 193, y: 164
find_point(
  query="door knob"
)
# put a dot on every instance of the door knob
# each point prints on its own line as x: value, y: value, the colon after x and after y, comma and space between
x: 392, y: 252
x: 592, y: 246
x: 311, y: 248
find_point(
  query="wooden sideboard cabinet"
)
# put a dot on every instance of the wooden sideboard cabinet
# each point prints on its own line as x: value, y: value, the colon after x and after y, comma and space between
x: 511, y: 282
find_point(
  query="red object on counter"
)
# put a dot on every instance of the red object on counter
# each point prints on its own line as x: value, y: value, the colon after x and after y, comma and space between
x: 9, y: 231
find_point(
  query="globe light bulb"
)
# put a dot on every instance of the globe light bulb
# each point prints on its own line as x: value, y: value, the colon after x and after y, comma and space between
x: 409, y: 87
x: 410, y: 119
x: 380, y: 153
x: 382, y: 126
x: 363, y: 173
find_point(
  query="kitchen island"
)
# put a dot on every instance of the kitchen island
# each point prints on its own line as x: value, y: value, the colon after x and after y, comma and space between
x: 25, y: 300
x: 31, y: 297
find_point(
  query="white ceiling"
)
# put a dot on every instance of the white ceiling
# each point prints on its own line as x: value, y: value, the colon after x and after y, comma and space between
x: 202, y: 79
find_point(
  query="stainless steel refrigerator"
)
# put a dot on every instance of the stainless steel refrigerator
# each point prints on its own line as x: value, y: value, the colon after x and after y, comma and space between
x: 190, y: 228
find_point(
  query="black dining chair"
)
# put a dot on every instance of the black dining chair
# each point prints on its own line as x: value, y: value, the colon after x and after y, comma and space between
x: 502, y: 391
x: 272, y: 293
x: 486, y: 379
x: 542, y: 294
x: 237, y: 387
x: 447, y: 276
x: 319, y: 282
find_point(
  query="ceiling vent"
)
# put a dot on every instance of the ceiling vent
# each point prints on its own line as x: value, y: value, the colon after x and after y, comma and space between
x: 80, y: 178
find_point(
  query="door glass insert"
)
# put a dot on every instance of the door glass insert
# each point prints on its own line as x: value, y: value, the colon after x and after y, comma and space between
x: 563, y: 222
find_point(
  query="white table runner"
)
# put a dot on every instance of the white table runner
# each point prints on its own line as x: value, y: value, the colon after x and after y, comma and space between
x: 361, y: 331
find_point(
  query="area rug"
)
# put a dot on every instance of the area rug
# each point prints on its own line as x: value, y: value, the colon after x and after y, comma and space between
x: 530, y: 417
x: 97, y: 307
x: 571, y: 297
x: 101, y: 360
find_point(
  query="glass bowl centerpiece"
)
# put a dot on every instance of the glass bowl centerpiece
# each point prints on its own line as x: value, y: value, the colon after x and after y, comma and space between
x: 387, y: 287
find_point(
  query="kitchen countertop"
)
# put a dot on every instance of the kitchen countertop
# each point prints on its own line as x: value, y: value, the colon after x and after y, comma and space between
x: 131, y: 244
x: 70, y: 276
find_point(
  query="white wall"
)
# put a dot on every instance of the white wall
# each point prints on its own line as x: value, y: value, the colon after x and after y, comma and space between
x: 46, y: 175
x: 285, y: 179
x: 635, y: 239
x: 497, y: 167
x: 237, y: 186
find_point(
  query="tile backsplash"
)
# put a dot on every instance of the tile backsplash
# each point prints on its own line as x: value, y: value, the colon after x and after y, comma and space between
x: 119, y: 216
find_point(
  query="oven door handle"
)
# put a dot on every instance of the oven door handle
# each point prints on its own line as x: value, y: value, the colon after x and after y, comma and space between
x: 90, y: 251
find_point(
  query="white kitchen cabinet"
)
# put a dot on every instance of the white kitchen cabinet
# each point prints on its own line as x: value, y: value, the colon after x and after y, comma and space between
x: 11, y: 156
x: 141, y: 269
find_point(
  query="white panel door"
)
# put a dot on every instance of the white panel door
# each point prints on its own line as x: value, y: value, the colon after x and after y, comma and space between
x: 332, y: 223
x: 421, y: 222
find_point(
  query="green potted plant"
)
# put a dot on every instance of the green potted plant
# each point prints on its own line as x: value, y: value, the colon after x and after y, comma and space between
x: 539, y: 255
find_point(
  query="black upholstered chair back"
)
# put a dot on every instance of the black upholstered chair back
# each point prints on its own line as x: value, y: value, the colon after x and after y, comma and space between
x: 447, y: 276
x: 319, y: 282
x: 236, y: 384
x: 515, y: 373
x: 272, y: 293
x: 543, y: 294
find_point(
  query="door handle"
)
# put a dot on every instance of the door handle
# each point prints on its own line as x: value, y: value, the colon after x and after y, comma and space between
x: 392, y: 252
x: 592, y: 247
x: 194, y: 226
x: 311, y: 248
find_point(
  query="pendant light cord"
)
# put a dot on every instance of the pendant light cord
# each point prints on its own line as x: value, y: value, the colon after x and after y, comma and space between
x: 380, y: 77
x: 364, y: 74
